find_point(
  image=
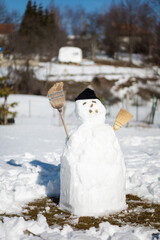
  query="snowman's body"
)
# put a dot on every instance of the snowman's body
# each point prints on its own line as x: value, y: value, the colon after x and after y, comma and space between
x: 92, y: 166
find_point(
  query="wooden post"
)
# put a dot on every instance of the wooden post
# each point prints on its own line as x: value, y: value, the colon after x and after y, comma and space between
x: 137, y: 109
x: 5, y: 110
x: 127, y: 104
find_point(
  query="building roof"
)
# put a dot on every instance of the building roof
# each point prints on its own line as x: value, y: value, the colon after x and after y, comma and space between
x: 125, y: 29
x: 6, y: 28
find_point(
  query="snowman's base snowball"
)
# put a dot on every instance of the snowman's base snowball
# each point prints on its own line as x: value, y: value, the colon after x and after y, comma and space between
x: 79, y: 211
x: 92, y: 172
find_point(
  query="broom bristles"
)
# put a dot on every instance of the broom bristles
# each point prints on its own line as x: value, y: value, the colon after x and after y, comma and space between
x: 56, y: 96
x: 122, y: 118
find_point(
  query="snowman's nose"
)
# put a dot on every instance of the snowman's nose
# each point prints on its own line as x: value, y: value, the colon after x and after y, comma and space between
x: 91, y: 105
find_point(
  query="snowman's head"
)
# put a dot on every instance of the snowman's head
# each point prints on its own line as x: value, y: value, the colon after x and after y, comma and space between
x: 89, y: 108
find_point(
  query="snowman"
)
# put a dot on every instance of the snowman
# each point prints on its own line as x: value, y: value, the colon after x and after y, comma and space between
x: 92, y: 175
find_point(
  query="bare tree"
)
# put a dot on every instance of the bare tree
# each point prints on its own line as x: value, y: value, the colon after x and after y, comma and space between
x: 68, y: 15
x: 132, y: 19
x: 156, y: 6
x: 3, y: 11
x: 129, y: 25
x: 140, y: 22
x: 79, y: 22
x: 95, y: 31
x: 114, y: 20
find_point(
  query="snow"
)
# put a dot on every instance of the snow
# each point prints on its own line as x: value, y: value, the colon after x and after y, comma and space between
x: 30, y: 154
x: 53, y: 72
x: 142, y: 163
x: 86, y: 72
x: 92, y: 165
x: 137, y: 59
x: 17, y: 226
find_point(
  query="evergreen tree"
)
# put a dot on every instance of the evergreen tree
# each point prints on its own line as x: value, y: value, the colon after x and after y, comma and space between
x: 40, y: 15
x: 51, y: 33
x: 26, y: 21
x: 40, y: 31
x: 5, y: 91
x: 45, y: 17
x: 27, y: 30
x: 34, y: 9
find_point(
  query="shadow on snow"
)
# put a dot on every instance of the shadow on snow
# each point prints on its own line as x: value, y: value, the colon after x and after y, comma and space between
x: 49, y: 176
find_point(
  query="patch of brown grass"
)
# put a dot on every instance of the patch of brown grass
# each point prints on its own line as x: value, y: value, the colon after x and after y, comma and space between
x: 139, y: 213
x: 116, y: 63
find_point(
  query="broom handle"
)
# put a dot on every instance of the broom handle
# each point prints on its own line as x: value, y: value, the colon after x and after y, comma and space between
x: 62, y: 118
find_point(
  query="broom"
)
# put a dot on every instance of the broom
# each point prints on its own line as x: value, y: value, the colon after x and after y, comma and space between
x: 122, y: 118
x: 57, y: 100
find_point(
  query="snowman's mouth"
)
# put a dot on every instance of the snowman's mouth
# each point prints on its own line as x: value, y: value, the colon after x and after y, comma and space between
x: 90, y: 111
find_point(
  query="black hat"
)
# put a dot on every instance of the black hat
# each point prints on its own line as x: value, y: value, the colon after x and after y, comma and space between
x: 86, y: 94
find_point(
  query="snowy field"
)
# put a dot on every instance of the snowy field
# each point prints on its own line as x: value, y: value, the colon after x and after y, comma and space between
x: 51, y: 71
x: 30, y: 154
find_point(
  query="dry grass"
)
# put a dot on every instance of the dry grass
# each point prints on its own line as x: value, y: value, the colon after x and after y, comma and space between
x: 116, y: 63
x: 139, y: 213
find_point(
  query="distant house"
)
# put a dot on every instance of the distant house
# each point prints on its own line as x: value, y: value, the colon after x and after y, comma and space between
x: 5, y: 30
x: 70, y: 55
x: 126, y: 32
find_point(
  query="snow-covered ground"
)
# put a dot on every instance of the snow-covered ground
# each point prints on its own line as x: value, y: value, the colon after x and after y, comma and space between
x: 86, y: 72
x: 30, y: 154
x: 125, y: 80
x: 137, y: 59
x: 53, y: 71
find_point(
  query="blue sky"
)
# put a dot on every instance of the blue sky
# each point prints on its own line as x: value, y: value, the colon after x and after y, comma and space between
x: 88, y: 5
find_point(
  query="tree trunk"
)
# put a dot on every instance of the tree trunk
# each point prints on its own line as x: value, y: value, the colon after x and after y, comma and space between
x: 93, y: 48
x: 130, y: 44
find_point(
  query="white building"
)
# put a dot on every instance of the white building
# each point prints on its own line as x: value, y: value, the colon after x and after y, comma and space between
x: 70, y: 55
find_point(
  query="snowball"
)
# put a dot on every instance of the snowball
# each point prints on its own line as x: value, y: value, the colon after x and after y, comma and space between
x: 90, y: 110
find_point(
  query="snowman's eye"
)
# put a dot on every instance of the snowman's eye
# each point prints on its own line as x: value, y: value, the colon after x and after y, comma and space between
x: 84, y: 103
x: 94, y: 101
